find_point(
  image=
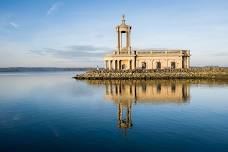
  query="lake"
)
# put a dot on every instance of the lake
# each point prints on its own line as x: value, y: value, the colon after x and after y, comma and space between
x: 50, y: 111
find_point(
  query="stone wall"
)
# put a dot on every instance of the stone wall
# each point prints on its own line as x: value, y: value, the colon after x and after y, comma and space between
x: 192, y: 73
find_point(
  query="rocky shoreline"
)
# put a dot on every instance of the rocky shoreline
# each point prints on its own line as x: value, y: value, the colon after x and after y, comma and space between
x: 192, y: 73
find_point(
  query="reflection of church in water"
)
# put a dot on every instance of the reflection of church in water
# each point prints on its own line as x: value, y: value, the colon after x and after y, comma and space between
x: 125, y: 93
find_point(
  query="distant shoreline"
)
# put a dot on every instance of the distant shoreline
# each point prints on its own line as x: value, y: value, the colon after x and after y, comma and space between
x: 42, y: 69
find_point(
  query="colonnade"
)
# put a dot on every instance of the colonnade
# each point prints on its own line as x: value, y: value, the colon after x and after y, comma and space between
x: 120, y: 64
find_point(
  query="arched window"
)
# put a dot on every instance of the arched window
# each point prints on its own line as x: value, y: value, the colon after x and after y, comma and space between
x: 143, y: 65
x: 173, y: 65
x: 123, y: 66
x: 130, y: 64
x: 158, y: 65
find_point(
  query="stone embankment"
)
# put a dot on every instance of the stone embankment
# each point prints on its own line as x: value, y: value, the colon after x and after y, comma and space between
x: 192, y: 73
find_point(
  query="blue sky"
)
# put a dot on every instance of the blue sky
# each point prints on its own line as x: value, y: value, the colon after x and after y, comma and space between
x: 77, y: 33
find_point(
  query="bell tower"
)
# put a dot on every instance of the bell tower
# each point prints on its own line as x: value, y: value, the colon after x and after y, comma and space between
x: 123, y: 37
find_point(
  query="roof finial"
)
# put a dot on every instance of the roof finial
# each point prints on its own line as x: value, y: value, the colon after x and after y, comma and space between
x: 123, y: 19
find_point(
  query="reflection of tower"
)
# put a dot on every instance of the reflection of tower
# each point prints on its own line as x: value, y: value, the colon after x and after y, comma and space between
x: 124, y: 93
x: 124, y: 116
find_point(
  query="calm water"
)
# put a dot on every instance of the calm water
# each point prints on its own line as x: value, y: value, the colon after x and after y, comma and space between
x: 53, y: 112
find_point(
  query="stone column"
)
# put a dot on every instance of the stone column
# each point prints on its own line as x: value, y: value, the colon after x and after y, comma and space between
x: 188, y: 62
x: 127, y: 38
x: 118, y: 41
x: 110, y: 65
x: 114, y: 65
x: 133, y: 64
x: 129, y: 41
x: 136, y: 64
x: 106, y: 64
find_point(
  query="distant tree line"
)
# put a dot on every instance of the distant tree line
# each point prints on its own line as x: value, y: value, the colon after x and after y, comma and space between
x: 41, y: 69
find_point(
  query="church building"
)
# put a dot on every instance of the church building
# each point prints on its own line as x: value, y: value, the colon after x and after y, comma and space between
x: 124, y: 58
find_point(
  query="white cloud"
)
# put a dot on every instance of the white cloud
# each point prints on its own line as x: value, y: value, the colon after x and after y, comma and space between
x: 54, y: 7
x: 225, y: 53
x: 14, y: 25
x: 74, y: 51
